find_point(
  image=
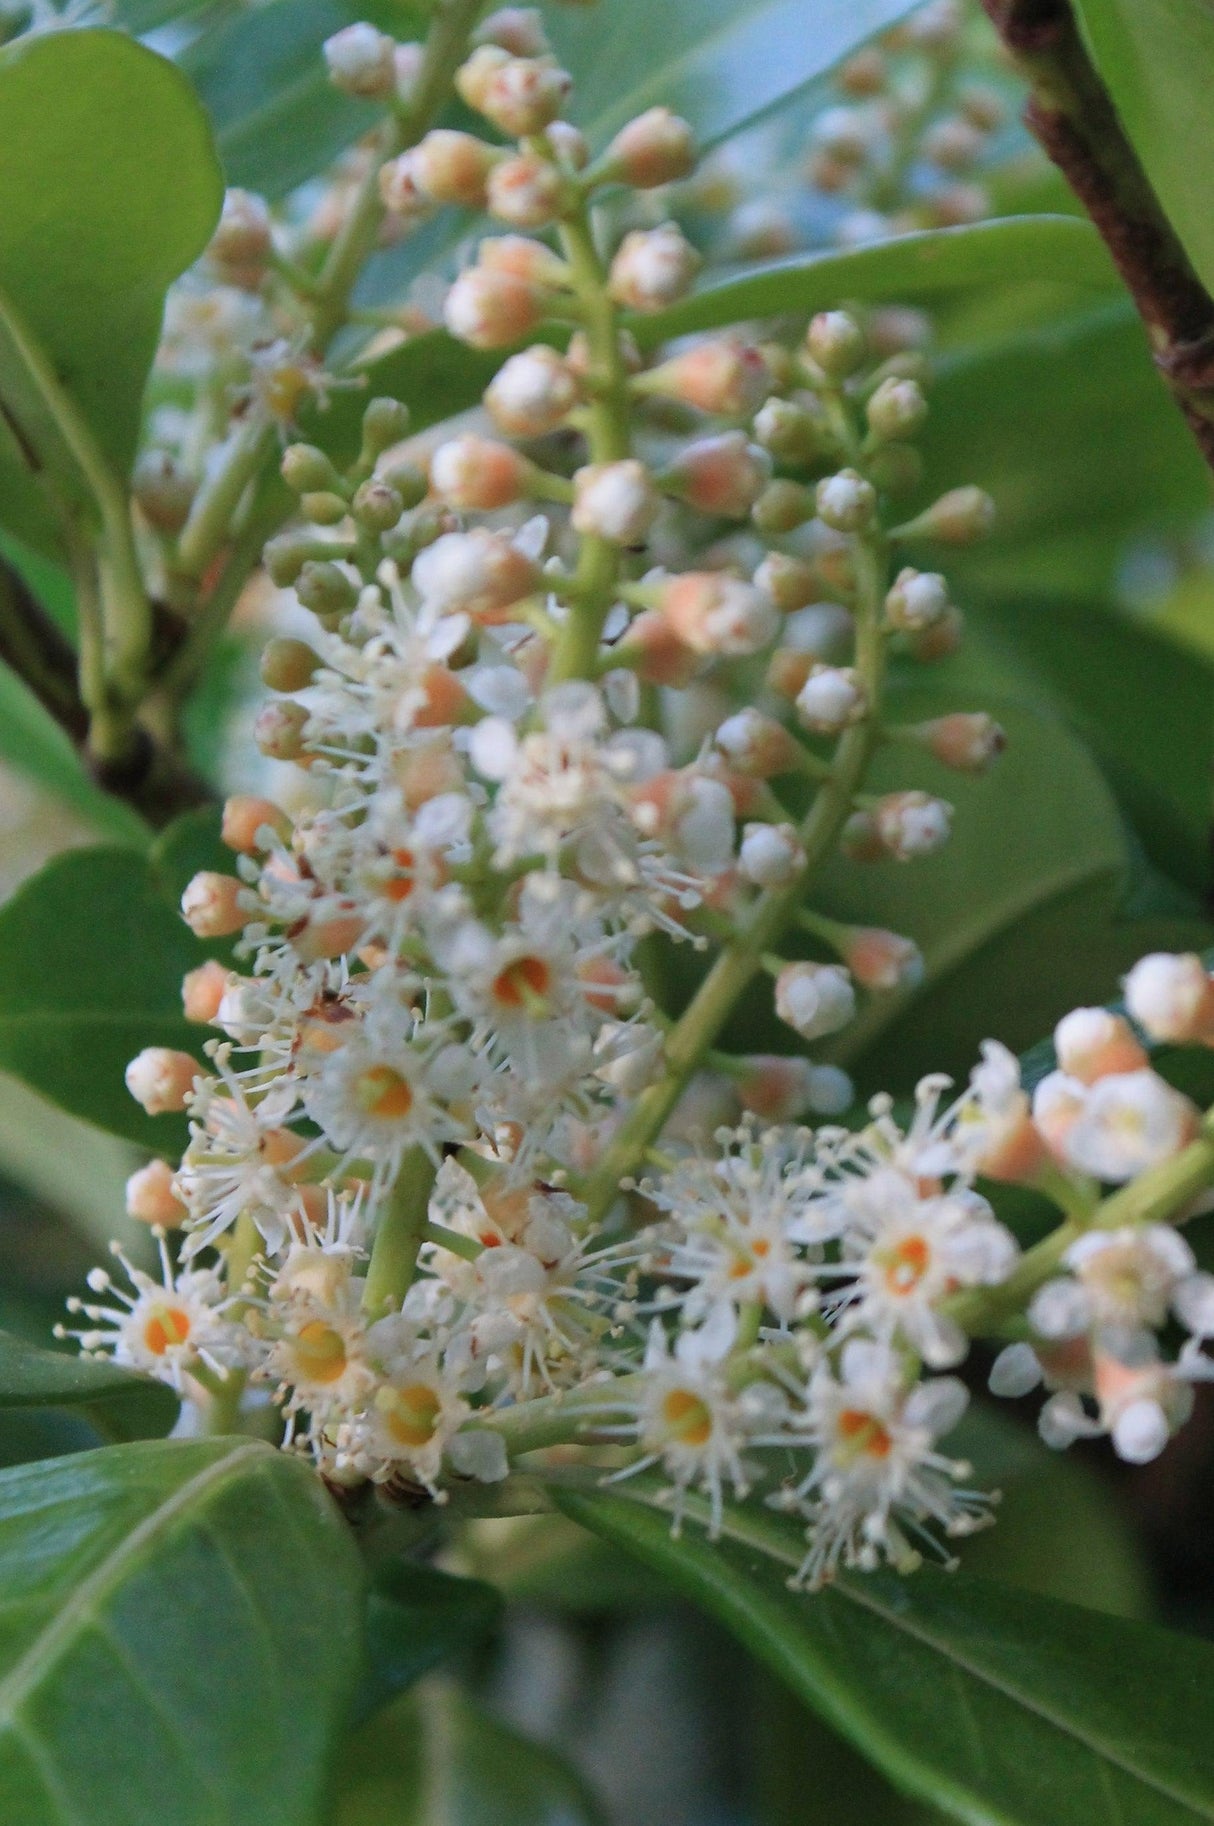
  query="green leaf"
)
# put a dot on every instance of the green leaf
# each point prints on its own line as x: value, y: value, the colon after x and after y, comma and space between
x: 110, y: 188
x: 1056, y: 247
x: 121, y: 1405
x: 92, y: 953
x: 1155, y: 57
x: 418, y: 1617
x: 437, y: 1759
x: 181, y: 1637
x: 718, y: 63
x: 998, y: 1707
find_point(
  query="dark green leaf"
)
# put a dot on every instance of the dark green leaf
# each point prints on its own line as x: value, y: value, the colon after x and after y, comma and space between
x: 92, y: 953
x: 437, y: 1759
x: 1155, y: 57
x: 1000, y: 1708
x: 180, y: 1638
x: 1054, y: 247
x: 418, y: 1617
x: 121, y: 1405
x: 110, y: 189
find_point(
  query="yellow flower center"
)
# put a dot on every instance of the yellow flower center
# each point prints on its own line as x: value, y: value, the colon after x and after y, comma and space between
x: 687, y: 1417
x: 319, y: 1352
x: 383, y: 1092
x: 410, y: 1414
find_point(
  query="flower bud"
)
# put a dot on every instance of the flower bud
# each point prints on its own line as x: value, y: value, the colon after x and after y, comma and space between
x: 770, y: 854
x: 757, y: 745
x: 522, y: 258
x: 792, y: 430
x: 150, y: 1198
x: 288, y: 665
x: 325, y: 589
x: 451, y: 167
x: 307, y: 470
x: 1129, y: 1122
x: 164, y: 490
x: 881, y: 960
x: 362, y: 61
x: 860, y: 840
x: 278, y: 730
x: 655, y: 148
x: 968, y: 741
x: 402, y: 474
x: 939, y: 641
x: 720, y: 475
x: 161, y: 1079
x: 714, y: 613
x: 532, y: 393
x: 864, y: 74
x: 912, y: 824
x: 783, y: 506
x: 477, y: 573
x: 954, y: 144
x: 516, y: 29
x: 212, y: 905
x: 385, y: 422
x: 653, y: 267
x: 520, y: 95
x: 917, y: 600
x: 815, y: 999
x: 662, y: 658
x: 836, y: 343
x: 723, y: 375
x: 244, y: 816
x: 377, y: 506
x: 897, y: 409
x: 1057, y: 1102
x: 324, y: 508
x: 959, y: 517
x: 203, y: 990
x: 399, y: 189
x: 896, y: 469
x: 844, y: 134
x: 1172, y: 998
x: 777, y: 1088
x: 615, y: 501
x: 242, y: 243
x: 490, y: 310
x: 790, y: 582
x: 477, y: 474
x: 526, y: 191
x: 846, y: 502
x: 569, y: 144
x: 832, y: 699
x: 1093, y: 1043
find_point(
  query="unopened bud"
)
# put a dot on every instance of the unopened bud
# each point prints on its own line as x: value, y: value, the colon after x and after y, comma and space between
x: 717, y: 614
x: 362, y: 61
x: 244, y: 817
x: 324, y: 508
x: 325, y: 589
x: 522, y: 258
x: 777, y: 1088
x: 278, y: 730
x: 846, y: 502
x: 516, y: 29
x: 912, y: 824
x: 815, y: 999
x: 1172, y: 998
x: 783, y: 506
x: 863, y: 74
x: 897, y: 409
x: 790, y: 582
x: 881, y: 960
x: 213, y: 905
x: 724, y: 376
x: 655, y: 148
x: 520, y: 95
x: 285, y: 557
x: 954, y: 144
x: 615, y: 501
x: 941, y: 639
x: 385, y: 422
x: 652, y: 268
x: 399, y: 189
x: 532, y: 393
x: 203, y: 990
x: 490, y: 310
x: 307, y: 470
x: 897, y: 469
x: 966, y: 741
x: 770, y: 855
x: 983, y: 107
x: 477, y: 474
x: 451, y: 167
x: 243, y: 241
x: 569, y: 144
x: 1094, y: 1043
x: 161, y: 1079
x: 756, y: 744
x: 792, y: 431
x: 164, y: 490
x: 836, y: 343
x: 526, y: 191
x: 720, y: 475
x: 959, y: 517
x: 832, y: 699
x: 917, y: 600
x: 150, y: 1198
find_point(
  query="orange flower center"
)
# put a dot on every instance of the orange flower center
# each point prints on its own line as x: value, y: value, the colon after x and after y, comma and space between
x: 383, y: 1092
x: 524, y: 984
x: 401, y: 886
x: 687, y: 1417
x: 905, y: 1264
x: 862, y: 1435
x: 164, y: 1327
x: 320, y: 1352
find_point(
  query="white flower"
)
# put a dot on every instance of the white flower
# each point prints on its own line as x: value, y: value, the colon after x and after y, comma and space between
x: 164, y: 1327
x: 1128, y: 1122
x: 815, y: 999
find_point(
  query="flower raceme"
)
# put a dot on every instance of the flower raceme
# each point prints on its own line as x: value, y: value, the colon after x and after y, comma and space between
x: 452, y: 1170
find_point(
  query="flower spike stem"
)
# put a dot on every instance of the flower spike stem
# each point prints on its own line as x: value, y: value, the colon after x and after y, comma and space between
x: 400, y: 1234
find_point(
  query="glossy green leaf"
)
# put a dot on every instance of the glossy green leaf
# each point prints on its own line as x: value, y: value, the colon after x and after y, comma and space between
x: 110, y: 188
x: 1155, y: 57
x: 121, y: 1405
x: 1055, y: 247
x: 1000, y: 1708
x: 418, y: 1617
x: 718, y: 63
x: 92, y: 952
x: 437, y: 1759
x: 181, y: 1637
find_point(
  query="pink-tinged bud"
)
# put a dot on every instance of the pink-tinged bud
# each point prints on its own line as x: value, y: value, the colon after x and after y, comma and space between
x: 941, y: 640
x: 399, y: 189
x: 712, y: 612
x: 213, y: 905
x: 532, y: 394
x: 652, y: 268
x: 846, y: 502
x: 522, y: 258
x: 1172, y: 998
x: 777, y: 1088
x: 569, y: 144
x: 912, y: 824
x: 161, y: 1079
x: 836, y: 342
x: 881, y: 960
x: 615, y: 501
x: 244, y: 817
x: 692, y: 812
x: 770, y: 855
x: 720, y: 475
x: 335, y: 937
x: 959, y: 517
x: 362, y: 61
x: 423, y: 773
x: 790, y: 582
x: 1092, y: 1043
x: 450, y: 167
x: 897, y: 409
x: 490, y: 310
x: 445, y: 702
x: 663, y: 659
x: 278, y: 730
x: 520, y: 95
x: 968, y: 741
x: 243, y: 241
x: 756, y: 744
x: 1017, y: 1151
x: 832, y: 699
x: 478, y: 573
x: 150, y: 1198
x: 1057, y: 1105
x: 203, y: 990
x: 860, y: 840
x: 477, y: 474
x: 815, y: 999
x: 527, y: 191
x: 655, y: 148
x: 517, y: 29
x: 917, y: 601
x: 724, y: 376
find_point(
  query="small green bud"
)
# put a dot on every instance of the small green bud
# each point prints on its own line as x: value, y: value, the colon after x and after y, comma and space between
x: 960, y: 517
x: 284, y: 558
x: 385, y: 422
x: 407, y: 479
x: 307, y: 470
x: 897, y: 469
x: 793, y: 432
x: 323, y: 508
x: 377, y: 506
x: 288, y: 665
x: 782, y: 506
x: 325, y: 589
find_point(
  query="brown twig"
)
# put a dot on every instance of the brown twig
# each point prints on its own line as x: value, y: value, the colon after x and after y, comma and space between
x: 1071, y: 114
x: 149, y: 777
